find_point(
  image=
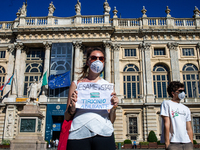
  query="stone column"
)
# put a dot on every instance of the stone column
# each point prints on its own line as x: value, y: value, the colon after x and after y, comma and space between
x: 107, y: 45
x: 47, y: 46
x: 116, y: 48
x: 173, y: 47
x: 77, y: 45
x: 10, y: 66
x: 19, y: 46
x: 148, y: 74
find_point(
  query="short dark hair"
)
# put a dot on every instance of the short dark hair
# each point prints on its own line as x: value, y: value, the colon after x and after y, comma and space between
x: 173, y: 87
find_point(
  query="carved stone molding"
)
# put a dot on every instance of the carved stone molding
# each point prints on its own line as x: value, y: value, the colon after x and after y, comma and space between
x: 77, y: 44
x: 107, y: 44
x: 116, y: 47
x: 172, y: 46
x: 11, y: 48
x: 19, y: 45
x: 145, y: 46
x: 47, y: 45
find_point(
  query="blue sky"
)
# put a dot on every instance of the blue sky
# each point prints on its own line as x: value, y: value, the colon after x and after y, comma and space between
x: 127, y: 8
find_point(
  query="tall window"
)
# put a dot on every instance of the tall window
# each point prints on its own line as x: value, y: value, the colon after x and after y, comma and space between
x: 191, y: 81
x: 130, y: 52
x: 159, y: 51
x: 2, y: 54
x: 196, y: 126
x: 2, y: 77
x: 188, y: 51
x: 34, y: 67
x: 132, y: 127
x: 160, y: 81
x: 131, y: 81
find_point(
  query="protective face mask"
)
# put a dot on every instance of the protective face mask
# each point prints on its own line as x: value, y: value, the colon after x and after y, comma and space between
x: 181, y: 95
x: 96, y: 66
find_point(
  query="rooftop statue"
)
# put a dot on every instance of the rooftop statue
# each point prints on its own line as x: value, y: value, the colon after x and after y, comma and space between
x: 78, y: 8
x: 51, y: 9
x: 106, y: 7
x: 23, y: 10
x: 34, y: 89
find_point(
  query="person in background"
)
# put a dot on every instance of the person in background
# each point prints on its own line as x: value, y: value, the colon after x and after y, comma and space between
x: 176, y: 120
x: 134, y: 144
x: 91, y: 129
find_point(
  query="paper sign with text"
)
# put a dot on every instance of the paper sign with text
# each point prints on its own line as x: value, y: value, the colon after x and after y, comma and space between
x: 94, y: 95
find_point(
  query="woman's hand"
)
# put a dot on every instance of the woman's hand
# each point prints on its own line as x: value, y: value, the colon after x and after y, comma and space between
x: 72, y: 105
x: 114, y: 100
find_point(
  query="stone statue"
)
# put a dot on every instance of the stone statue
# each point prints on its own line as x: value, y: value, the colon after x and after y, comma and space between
x: 34, y: 89
x: 78, y: 8
x: 106, y: 7
x: 23, y: 10
x: 51, y: 9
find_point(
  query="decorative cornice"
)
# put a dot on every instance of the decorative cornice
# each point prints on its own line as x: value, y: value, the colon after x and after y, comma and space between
x: 172, y: 46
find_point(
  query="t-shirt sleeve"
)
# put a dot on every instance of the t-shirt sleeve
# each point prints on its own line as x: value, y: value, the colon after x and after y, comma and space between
x: 164, y: 109
x: 188, y: 117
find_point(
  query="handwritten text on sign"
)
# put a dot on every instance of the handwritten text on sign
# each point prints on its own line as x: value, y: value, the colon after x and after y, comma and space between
x: 94, y: 96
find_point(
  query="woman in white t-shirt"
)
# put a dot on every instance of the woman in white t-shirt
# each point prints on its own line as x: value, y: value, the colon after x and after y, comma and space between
x: 91, y: 129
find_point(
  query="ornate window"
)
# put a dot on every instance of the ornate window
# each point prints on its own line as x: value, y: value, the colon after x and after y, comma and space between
x: 159, y: 51
x: 131, y: 81
x: 191, y: 81
x: 196, y: 126
x: 188, y: 51
x: 160, y: 81
x: 129, y: 52
x: 2, y: 77
x: 34, y: 67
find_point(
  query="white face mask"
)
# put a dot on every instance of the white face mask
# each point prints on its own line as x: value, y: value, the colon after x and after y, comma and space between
x: 181, y: 95
x: 96, y: 66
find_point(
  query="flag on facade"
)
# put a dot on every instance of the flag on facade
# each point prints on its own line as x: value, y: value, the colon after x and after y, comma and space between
x: 44, y: 80
x: 7, y: 83
x: 60, y: 80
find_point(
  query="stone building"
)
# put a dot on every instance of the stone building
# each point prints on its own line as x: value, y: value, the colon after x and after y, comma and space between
x: 142, y: 56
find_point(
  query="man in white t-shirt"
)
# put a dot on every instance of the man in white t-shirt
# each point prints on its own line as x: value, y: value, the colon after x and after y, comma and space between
x: 177, y: 131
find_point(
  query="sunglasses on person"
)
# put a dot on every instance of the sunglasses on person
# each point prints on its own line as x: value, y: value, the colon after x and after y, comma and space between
x: 94, y: 58
x: 180, y: 91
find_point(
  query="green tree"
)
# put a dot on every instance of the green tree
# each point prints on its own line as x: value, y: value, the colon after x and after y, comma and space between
x: 152, y: 137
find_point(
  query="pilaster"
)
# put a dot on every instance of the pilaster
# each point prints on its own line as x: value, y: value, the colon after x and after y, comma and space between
x: 10, y: 71
x: 148, y: 74
x: 19, y: 46
x: 173, y: 47
x: 107, y: 45
x: 77, y: 46
x: 118, y: 125
x: 2, y: 122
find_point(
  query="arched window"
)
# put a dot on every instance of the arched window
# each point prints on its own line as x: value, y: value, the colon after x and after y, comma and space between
x: 2, y: 77
x: 131, y: 81
x: 191, y: 81
x: 160, y: 81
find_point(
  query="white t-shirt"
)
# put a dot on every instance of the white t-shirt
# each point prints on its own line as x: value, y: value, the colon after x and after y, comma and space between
x: 179, y: 114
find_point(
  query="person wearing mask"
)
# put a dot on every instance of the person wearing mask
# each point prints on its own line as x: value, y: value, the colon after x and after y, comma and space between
x: 91, y: 129
x: 177, y: 131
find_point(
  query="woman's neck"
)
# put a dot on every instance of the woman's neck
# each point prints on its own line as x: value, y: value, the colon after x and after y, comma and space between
x: 93, y: 77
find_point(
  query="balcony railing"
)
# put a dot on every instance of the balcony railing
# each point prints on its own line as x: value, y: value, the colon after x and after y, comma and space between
x: 100, y: 20
x: 131, y: 100
x: 57, y: 100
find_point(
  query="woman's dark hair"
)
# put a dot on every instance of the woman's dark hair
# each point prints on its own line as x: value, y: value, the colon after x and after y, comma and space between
x: 173, y: 87
x: 89, y: 50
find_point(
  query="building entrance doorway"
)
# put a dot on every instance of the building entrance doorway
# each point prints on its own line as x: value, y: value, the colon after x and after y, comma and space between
x: 57, y: 124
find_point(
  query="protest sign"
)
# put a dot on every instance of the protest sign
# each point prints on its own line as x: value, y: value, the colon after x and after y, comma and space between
x: 94, y: 95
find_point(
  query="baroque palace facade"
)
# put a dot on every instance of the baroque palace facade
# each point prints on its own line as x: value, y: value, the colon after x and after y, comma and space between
x: 142, y: 56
